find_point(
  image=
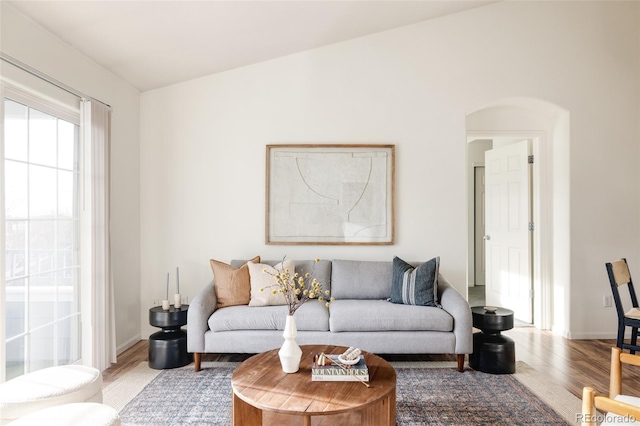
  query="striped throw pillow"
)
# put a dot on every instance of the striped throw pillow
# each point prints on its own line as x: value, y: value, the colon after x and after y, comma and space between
x: 415, y: 286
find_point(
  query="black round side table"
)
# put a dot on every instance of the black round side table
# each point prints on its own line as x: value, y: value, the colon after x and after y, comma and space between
x: 168, y: 347
x: 493, y: 352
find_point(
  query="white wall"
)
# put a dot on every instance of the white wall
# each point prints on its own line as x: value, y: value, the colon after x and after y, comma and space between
x: 22, y: 39
x: 203, y: 141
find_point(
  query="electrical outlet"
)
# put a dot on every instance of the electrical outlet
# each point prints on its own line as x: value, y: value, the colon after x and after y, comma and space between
x: 606, y: 301
x: 156, y: 302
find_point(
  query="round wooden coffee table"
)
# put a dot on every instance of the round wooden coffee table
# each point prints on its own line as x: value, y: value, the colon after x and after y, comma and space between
x: 264, y: 394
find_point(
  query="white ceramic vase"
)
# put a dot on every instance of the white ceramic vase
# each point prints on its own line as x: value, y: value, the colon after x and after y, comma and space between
x: 290, y: 353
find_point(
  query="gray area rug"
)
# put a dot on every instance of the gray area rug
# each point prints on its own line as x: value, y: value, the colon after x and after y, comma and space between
x: 427, y: 393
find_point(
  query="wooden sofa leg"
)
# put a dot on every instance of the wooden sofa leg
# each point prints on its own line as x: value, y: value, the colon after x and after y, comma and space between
x: 196, y: 360
x: 460, y: 363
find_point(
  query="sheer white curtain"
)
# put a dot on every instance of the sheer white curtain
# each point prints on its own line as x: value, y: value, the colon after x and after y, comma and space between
x: 99, y: 326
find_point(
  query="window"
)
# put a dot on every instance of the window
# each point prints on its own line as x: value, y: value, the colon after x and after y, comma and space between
x: 41, y: 237
x: 56, y: 296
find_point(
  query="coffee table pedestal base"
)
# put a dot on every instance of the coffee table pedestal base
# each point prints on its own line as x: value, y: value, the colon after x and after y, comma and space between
x: 383, y: 413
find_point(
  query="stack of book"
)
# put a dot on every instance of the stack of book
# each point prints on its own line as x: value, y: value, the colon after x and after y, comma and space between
x: 335, y: 371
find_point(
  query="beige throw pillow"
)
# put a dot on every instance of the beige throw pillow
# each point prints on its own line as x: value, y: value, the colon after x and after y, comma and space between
x: 232, y: 285
x: 261, y: 279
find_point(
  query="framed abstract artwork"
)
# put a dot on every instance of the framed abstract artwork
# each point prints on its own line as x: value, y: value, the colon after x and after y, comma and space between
x: 330, y: 194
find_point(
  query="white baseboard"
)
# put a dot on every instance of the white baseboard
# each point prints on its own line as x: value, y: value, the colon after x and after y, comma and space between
x: 596, y: 335
x: 560, y: 332
x: 126, y: 345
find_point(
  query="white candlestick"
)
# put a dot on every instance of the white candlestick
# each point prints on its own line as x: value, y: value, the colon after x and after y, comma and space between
x: 177, y: 280
x: 167, y: 296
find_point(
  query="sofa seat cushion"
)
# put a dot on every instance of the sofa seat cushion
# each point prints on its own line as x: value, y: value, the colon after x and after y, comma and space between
x: 380, y: 315
x: 312, y: 316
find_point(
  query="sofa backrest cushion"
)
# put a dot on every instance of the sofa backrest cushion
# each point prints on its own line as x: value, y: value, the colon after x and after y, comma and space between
x: 359, y: 279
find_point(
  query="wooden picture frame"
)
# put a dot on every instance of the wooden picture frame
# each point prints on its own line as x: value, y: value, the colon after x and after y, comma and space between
x: 330, y: 194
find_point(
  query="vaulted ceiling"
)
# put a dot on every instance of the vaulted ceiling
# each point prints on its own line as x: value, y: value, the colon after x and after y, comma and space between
x: 152, y: 44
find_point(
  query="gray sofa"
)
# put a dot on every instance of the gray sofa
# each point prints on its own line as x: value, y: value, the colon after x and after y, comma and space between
x: 360, y: 316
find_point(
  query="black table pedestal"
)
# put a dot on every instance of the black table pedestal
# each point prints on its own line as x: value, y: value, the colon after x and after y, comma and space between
x: 168, y: 347
x: 493, y: 352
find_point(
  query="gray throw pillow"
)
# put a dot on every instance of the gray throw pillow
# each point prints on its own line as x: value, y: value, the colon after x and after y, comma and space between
x: 415, y: 286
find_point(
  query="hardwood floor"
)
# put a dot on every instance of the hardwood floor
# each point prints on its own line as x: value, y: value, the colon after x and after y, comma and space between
x: 572, y: 364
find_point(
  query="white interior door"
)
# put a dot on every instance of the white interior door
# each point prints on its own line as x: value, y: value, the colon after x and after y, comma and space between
x: 508, y: 238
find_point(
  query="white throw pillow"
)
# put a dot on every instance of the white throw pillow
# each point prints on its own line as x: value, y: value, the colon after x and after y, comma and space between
x: 266, y: 280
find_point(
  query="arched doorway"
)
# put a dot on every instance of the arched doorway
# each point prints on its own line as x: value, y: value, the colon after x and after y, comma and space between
x: 546, y: 127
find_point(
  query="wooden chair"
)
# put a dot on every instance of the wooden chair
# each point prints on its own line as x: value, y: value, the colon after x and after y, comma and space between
x: 620, y: 409
x: 619, y: 276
